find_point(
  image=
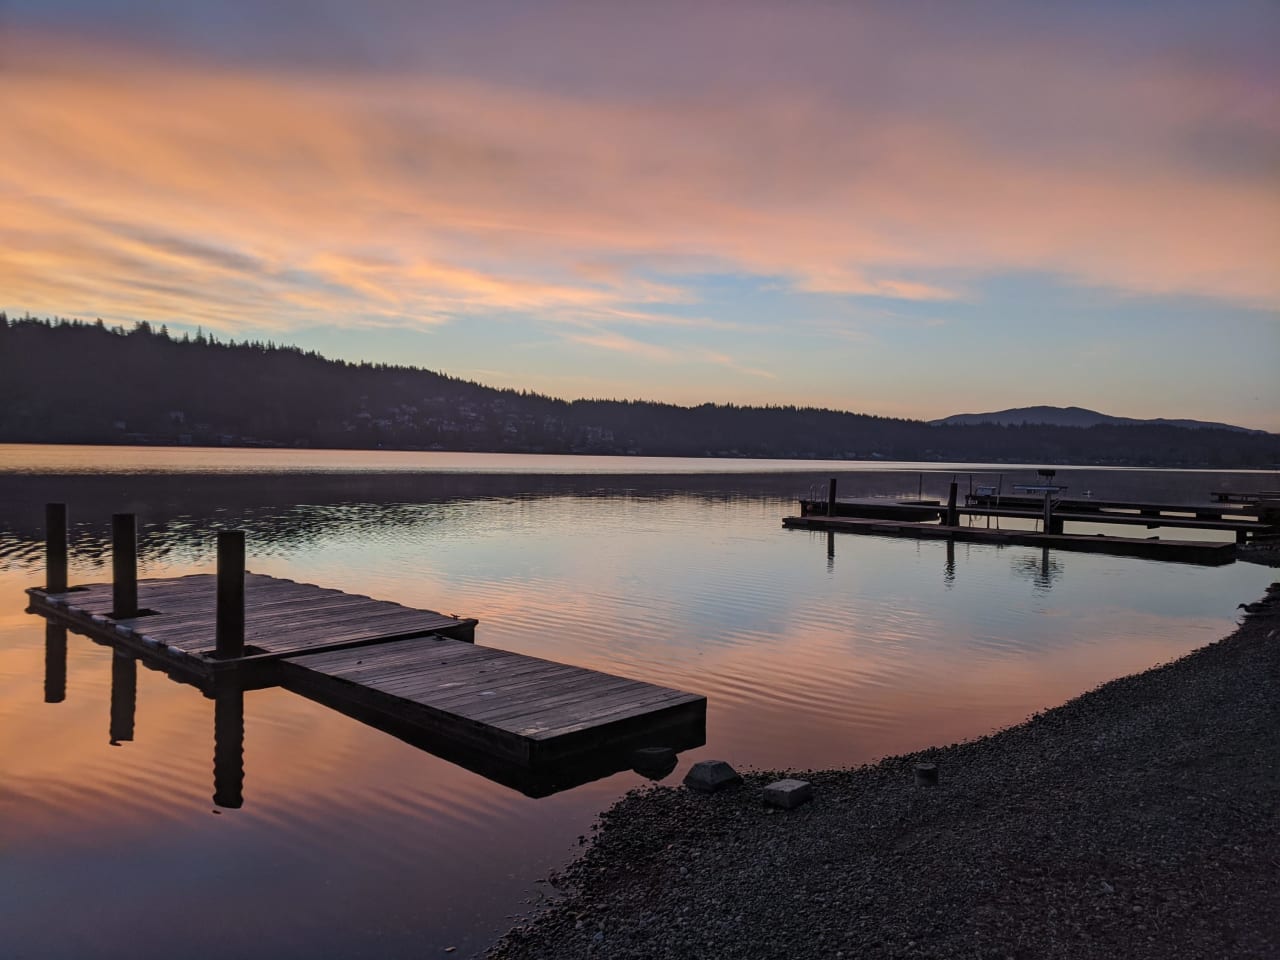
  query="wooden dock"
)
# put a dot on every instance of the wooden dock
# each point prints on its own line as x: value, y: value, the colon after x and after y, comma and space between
x: 1151, y: 515
x: 533, y: 724
x: 177, y: 617
x: 1182, y: 551
x: 519, y: 708
x: 1248, y: 521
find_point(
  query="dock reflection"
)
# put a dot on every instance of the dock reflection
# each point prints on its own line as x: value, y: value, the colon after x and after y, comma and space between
x: 55, y: 662
x: 228, y: 742
x: 227, y: 691
x: 1043, y: 571
x: 124, y: 696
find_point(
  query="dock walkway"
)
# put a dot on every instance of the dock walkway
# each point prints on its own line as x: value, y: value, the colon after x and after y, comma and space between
x: 177, y: 617
x: 414, y: 672
x: 525, y: 709
x: 1202, y: 552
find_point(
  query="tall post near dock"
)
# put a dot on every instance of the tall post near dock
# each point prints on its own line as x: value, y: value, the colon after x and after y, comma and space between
x: 55, y: 547
x: 831, y: 498
x: 953, y: 515
x: 124, y: 566
x: 230, y: 621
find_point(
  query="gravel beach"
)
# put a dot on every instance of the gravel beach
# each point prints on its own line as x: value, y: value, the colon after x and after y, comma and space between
x: 1138, y: 820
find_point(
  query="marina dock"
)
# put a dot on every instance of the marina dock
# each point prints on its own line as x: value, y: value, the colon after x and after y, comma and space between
x: 533, y: 724
x: 1201, y: 552
x: 1247, y: 518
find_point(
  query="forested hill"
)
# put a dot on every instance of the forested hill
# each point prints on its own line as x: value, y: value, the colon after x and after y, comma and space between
x: 72, y: 382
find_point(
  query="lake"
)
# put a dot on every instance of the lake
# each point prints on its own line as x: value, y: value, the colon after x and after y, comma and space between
x: 813, y: 650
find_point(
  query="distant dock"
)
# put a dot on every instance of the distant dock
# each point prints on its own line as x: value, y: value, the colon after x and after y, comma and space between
x: 415, y: 673
x: 1246, y: 517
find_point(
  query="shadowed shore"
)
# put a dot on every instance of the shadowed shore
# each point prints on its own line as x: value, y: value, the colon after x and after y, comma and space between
x: 1141, y: 819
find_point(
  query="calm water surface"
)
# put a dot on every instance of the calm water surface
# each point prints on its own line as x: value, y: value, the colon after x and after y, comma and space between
x: 813, y: 651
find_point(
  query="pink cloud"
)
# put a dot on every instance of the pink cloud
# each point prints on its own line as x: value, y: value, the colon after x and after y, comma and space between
x: 272, y: 197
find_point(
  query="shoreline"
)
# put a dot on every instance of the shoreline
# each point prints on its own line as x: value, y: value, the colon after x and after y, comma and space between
x: 1140, y: 819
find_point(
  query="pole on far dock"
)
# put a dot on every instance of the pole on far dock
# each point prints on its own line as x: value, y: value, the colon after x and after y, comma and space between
x: 953, y: 515
x: 55, y: 547
x: 831, y: 498
x: 230, y: 622
x: 124, y: 566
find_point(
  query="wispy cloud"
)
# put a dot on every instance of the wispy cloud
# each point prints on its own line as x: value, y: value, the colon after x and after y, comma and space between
x: 610, y: 340
x: 419, y: 193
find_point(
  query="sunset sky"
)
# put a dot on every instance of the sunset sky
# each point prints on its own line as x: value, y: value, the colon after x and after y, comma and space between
x: 910, y: 209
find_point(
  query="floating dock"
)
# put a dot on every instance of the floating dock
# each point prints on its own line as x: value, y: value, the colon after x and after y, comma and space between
x: 1247, y: 518
x: 1201, y: 552
x: 176, y: 621
x: 410, y: 666
x: 519, y: 708
x: 533, y: 724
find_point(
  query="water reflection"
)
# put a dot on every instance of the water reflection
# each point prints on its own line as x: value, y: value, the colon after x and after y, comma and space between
x: 806, y: 663
x: 227, y: 689
x: 228, y: 742
x: 124, y: 697
x: 1043, y: 571
x: 285, y: 512
x: 55, y: 662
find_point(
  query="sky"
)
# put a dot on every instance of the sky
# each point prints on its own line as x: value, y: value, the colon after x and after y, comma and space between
x: 906, y: 209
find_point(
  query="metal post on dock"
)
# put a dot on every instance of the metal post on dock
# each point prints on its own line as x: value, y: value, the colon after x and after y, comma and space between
x: 230, y: 616
x: 953, y: 515
x: 55, y: 547
x: 124, y: 566
x: 831, y: 498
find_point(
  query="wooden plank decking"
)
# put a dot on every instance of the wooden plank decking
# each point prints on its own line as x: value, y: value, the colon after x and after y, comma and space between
x: 414, y: 673
x: 521, y: 708
x: 282, y: 618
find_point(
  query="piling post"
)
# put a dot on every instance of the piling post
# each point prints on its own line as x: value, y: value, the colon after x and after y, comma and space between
x: 831, y: 498
x: 124, y: 566
x: 953, y: 515
x: 230, y: 615
x: 1048, y: 512
x: 55, y: 547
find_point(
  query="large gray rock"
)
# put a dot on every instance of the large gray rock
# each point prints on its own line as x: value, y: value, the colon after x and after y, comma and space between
x: 708, y: 776
x: 788, y: 794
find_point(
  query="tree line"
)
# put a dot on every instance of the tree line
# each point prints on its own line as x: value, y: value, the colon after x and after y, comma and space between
x: 67, y: 381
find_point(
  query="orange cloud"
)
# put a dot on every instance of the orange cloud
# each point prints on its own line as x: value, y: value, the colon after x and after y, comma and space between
x: 159, y: 189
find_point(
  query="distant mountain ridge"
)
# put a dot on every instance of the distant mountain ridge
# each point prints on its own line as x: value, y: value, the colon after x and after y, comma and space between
x: 1076, y: 417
